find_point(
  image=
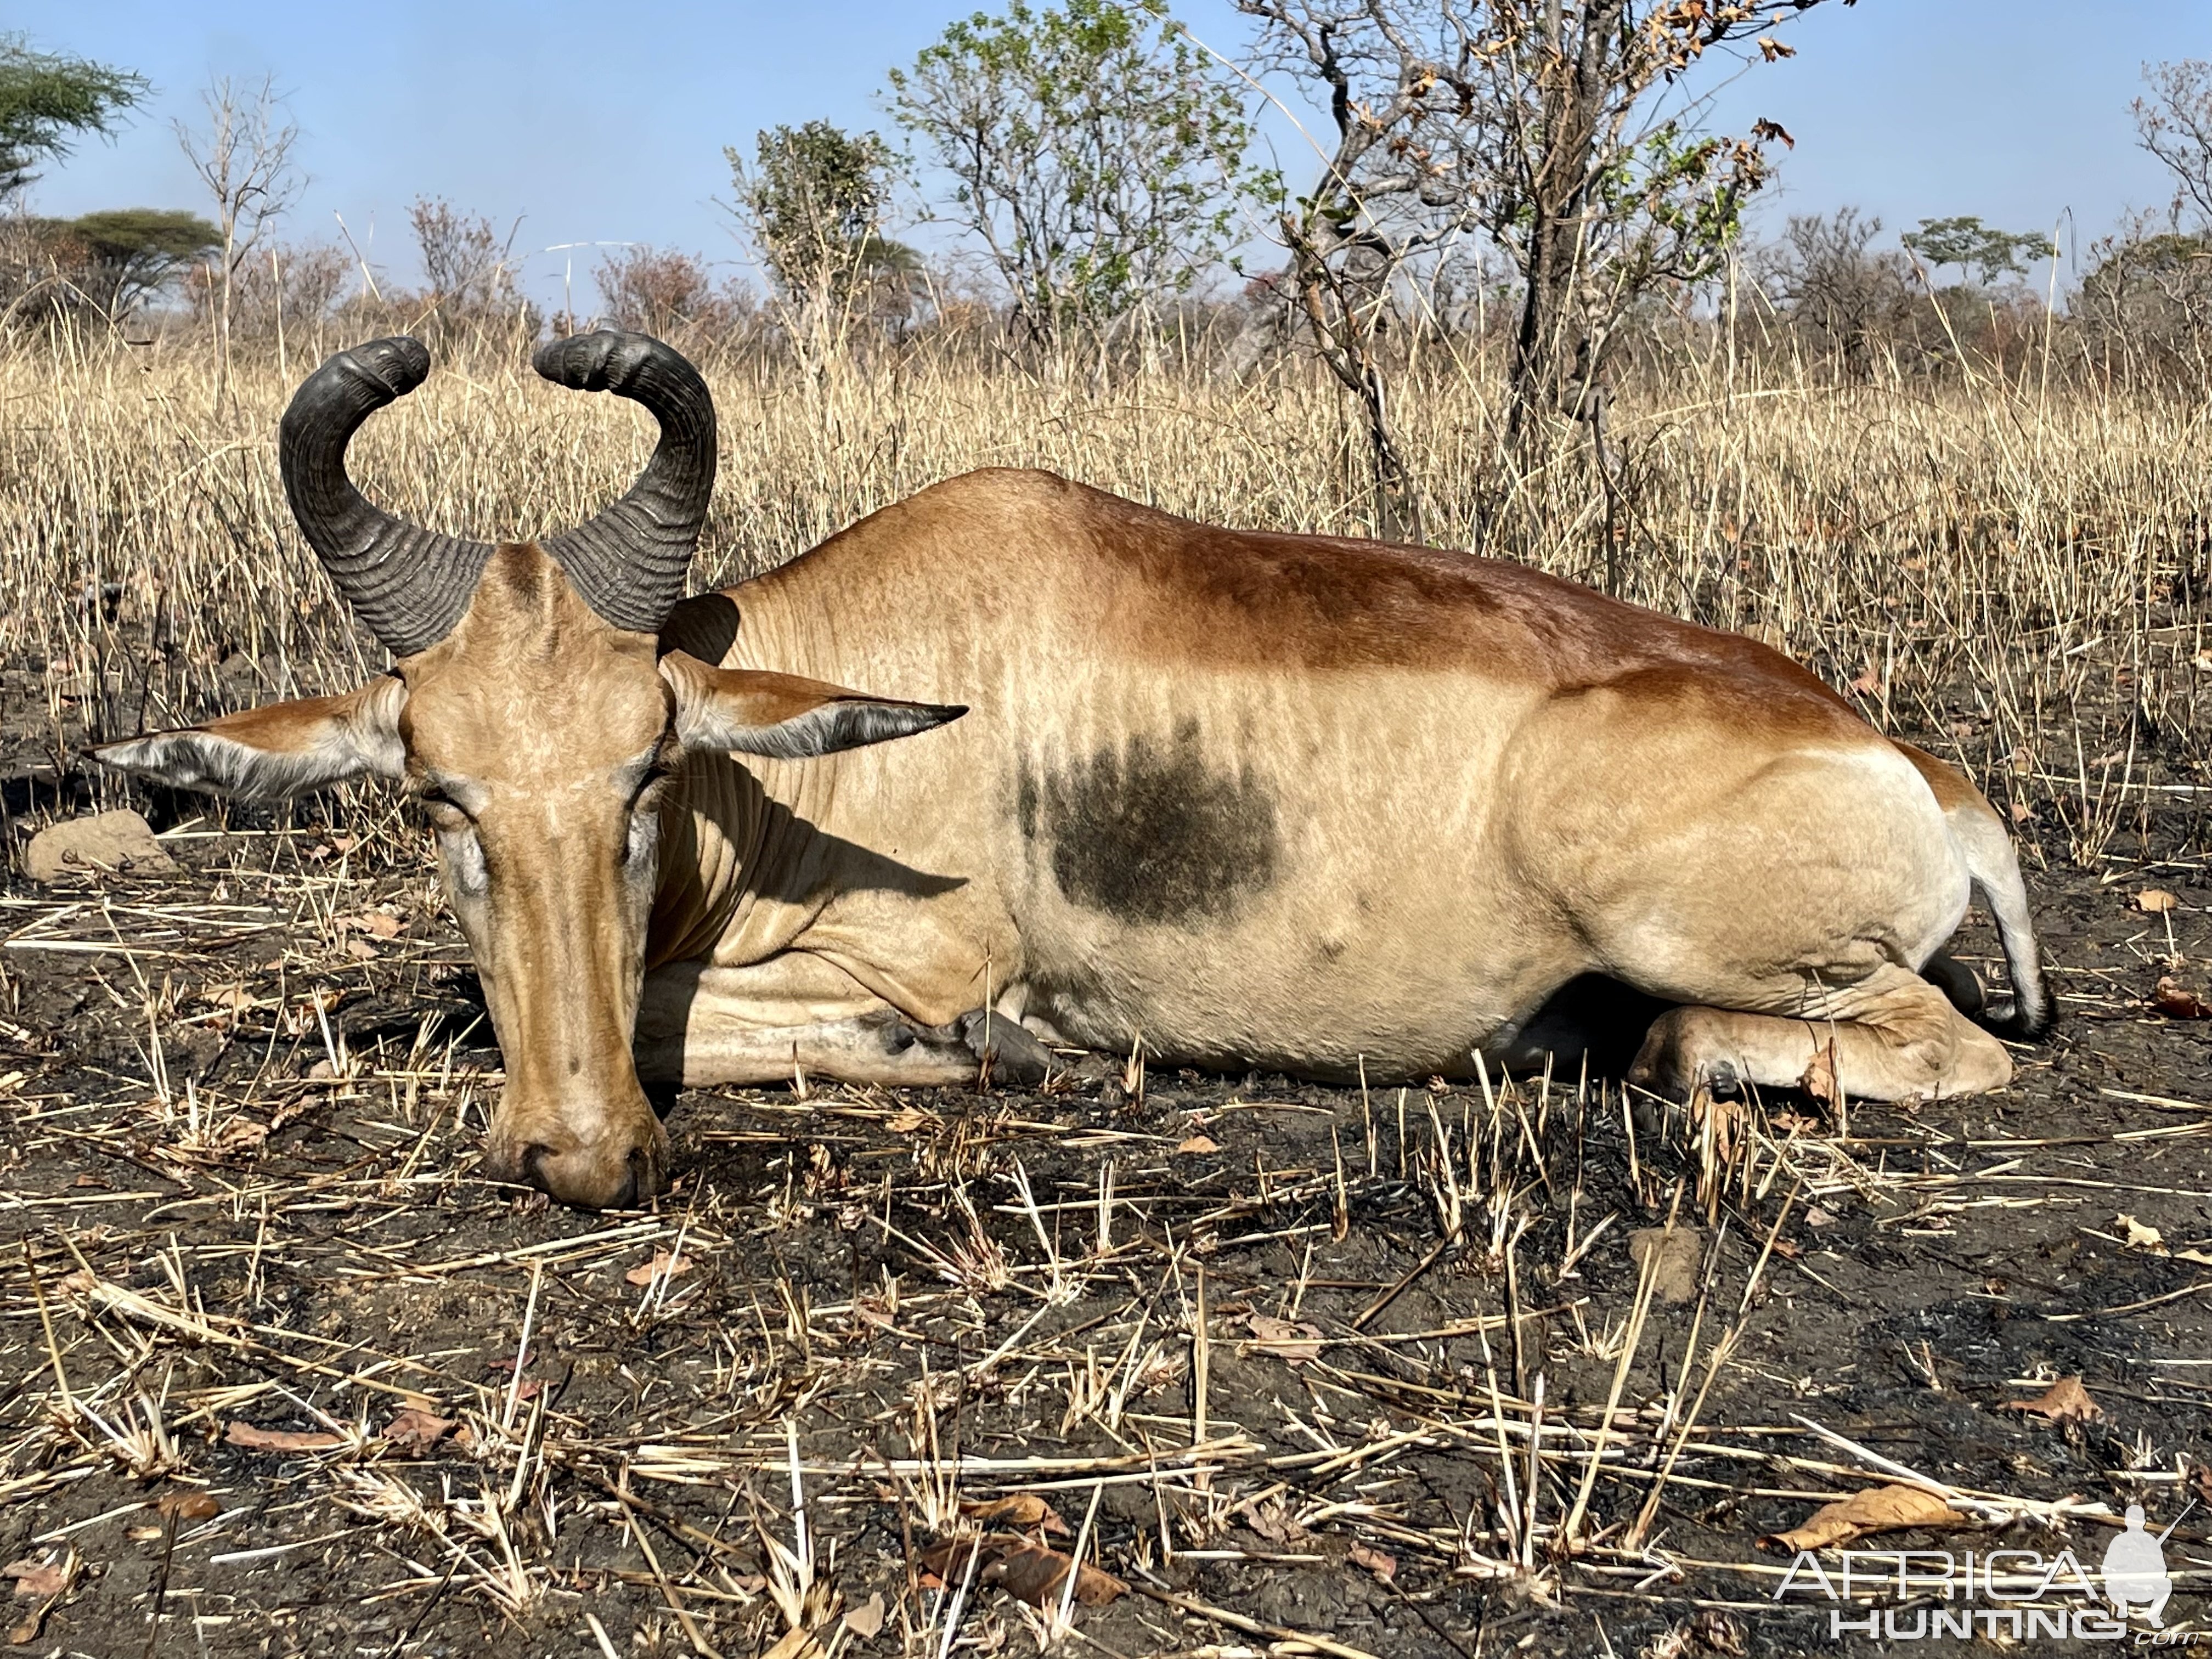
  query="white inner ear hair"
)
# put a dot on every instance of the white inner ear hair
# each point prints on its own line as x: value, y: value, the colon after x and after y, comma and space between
x: 832, y: 727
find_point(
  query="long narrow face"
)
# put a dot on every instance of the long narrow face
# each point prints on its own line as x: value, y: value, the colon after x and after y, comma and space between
x: 542, y: 743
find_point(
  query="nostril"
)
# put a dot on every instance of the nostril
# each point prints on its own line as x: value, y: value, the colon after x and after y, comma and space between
x: 625, y: 1197
x: 533, y: 1164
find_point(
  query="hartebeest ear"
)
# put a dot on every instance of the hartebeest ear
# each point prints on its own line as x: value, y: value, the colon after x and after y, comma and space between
x: 285, y: 748
x: 783, y: 716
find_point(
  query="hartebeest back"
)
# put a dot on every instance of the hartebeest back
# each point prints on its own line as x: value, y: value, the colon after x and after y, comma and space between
x: 1253, y: 801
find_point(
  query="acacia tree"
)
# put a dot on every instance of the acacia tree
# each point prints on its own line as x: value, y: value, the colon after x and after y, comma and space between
x: 1966, y: 242
x: 132, y: 253
x: 1542, y: 123
x: 1092, y: 153
x: 48, y: 98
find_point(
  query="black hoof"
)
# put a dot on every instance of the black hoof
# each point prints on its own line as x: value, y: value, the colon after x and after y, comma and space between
x: 1723, y: 1082
x: 1015, y: 1055
x: 1960, y: 986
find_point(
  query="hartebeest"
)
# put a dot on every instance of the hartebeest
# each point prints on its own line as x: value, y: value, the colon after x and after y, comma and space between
x: 1292, y: 802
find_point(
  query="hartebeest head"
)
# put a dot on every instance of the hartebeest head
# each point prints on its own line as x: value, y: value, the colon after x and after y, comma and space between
x: 532, y: 710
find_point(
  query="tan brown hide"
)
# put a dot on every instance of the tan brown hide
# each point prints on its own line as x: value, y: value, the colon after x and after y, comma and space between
x: 1299, y: 804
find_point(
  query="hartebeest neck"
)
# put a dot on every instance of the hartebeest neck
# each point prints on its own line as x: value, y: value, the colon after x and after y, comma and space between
x: 735, y: 881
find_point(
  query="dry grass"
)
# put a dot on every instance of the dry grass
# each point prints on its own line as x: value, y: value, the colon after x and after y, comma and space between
x: 2013, y: 570
x: 1308, y: 1371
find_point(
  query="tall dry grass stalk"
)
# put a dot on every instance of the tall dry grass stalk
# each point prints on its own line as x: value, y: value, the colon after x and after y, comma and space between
x: 2011, y: 572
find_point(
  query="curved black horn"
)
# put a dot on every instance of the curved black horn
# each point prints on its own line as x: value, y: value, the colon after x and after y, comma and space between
x: 630, y: 562
x: 410, y: 585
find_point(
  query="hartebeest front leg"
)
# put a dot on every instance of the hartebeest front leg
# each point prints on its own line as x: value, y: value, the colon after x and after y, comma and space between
x: 1894, y: 1037
x: 700, y: 1025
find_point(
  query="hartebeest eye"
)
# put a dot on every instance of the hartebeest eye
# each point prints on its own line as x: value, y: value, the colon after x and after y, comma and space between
x: 644, y: 835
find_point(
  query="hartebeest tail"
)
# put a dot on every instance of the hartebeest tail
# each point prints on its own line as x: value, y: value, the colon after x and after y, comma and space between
x: 1994, y: 868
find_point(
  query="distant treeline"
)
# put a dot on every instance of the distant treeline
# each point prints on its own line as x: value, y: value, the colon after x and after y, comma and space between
x: 1519, y: 175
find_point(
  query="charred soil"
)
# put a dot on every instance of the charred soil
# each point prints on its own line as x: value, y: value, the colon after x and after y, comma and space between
x: 1286, y: 1364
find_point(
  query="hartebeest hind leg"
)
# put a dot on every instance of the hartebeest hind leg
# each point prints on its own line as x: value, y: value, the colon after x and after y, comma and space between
x: 700, y: 1025
x: 1895, y: 1037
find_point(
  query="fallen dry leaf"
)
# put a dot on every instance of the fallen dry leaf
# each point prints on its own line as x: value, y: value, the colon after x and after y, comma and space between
x: 1869, y: 682
x: 1021, y: 1509
x: 2022, y: 812
x: 253, y: 1439
x: 2153, y: 901
x: 233, y: 997
x: 1679, y: 1250
x: 1817, y: 1216
x: 2177, y: 1001
x: 414, y: 1430
x: 1381, y: 1563
x: 1274, y: 1521
x: 908, y: 1119
x: 38, y: 1578
x: 663, y: 1265
x: 240, y: 1134
x: 188, y: 1505
x: 1037, y: 1575
x: 360, y: 950
x: 866, y: 1619
x: 1875, y: 1509
x: 1029, y: 1572
x: 2065, y: 1402
x: 375, y: 923
x: 1294, y: 1343
x: 1199, y: 1145
x: 1820, y: 1079
x: 2137, y: 1237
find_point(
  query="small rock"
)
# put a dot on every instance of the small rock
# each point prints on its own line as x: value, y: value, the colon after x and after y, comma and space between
x: 106, y: 840
x: 1679, y: 1252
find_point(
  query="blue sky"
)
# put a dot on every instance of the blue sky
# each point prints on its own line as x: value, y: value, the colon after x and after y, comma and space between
x: 606, y: 122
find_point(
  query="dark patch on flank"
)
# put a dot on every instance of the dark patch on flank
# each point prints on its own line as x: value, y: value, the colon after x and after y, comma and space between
x: 1150, y: 833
